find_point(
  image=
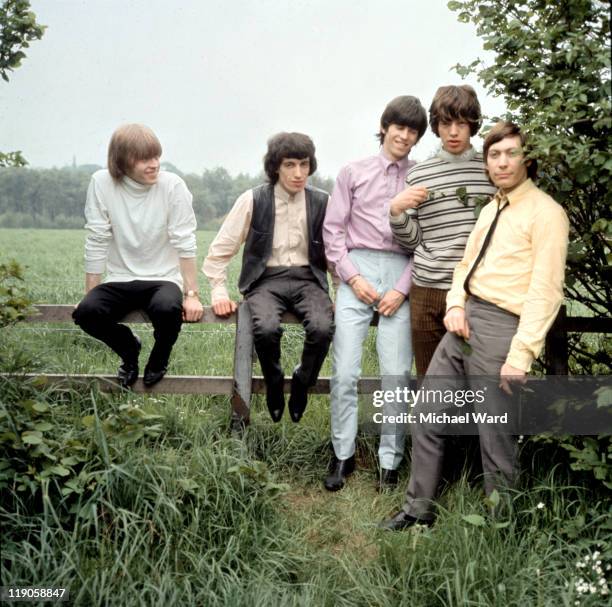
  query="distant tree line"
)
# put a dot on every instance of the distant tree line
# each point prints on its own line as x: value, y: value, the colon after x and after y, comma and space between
x: 55, y: 198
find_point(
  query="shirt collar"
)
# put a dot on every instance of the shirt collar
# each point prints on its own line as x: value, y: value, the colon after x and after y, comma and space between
x: 518, y: 193
x: 402, y: 164
x: 283, y: 195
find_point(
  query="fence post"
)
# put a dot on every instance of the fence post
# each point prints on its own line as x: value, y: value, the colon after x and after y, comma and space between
x: 557, y: 346
x: 243, y: 365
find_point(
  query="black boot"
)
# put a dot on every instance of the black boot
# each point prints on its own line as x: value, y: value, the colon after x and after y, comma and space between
x: 299, y: 396
x: 157, y: 365
x: 339, y: 470
x: 275, y: 398
x: 128, y: 371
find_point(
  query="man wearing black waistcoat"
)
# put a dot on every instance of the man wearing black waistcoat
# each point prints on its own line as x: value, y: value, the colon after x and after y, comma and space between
x: 283, y: 266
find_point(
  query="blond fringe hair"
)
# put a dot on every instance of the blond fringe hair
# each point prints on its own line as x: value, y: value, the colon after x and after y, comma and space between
x: 129, y: 144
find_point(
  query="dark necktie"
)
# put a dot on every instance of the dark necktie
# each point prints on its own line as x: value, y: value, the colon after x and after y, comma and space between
x: 485, y: 244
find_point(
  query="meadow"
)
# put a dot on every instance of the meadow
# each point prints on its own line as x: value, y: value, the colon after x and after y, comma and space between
x: 132, y: 499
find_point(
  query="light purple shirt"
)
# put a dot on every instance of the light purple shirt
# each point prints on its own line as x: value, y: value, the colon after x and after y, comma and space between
x: 357, y: 214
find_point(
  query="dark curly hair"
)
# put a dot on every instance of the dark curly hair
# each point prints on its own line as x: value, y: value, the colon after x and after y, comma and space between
x: 405, y: 110
x: 288, y: 145
x: 455, y: 103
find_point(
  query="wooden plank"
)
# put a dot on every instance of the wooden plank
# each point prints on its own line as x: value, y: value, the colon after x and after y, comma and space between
x: 63, y: 313
x: 243, y: 364
x: 171, y: 384
x: 185, y: 384
x: 581, y: 324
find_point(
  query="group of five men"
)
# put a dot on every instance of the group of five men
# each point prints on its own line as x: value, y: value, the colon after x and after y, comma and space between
x: 399, y: 238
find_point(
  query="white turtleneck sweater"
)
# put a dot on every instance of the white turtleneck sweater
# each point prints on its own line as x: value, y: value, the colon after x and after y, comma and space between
x: 136, y: 231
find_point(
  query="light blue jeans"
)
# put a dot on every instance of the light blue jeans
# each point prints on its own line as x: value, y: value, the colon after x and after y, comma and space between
x: 381, y: 269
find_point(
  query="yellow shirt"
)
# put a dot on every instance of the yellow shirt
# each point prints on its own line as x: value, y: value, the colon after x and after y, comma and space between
x: 289, y: 242
x: 523, y: 269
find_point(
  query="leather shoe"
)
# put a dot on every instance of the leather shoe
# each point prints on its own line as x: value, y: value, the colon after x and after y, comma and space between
x: 402, y: 520
x: 128, y: 371
x: 299, y: 397
x: 151, y: 377
x: 275, y: 399
x: 339, y: 470
x: 387, y: 480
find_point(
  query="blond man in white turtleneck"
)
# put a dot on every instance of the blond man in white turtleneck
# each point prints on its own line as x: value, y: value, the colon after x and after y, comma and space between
x: 140, y: 253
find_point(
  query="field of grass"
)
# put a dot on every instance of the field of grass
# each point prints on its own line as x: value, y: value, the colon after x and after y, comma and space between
x: 140, y: 500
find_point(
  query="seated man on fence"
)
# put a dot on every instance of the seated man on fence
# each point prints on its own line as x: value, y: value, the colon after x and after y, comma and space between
x: 505, y: 295
x: 283, y: 266
x: 141, y: 231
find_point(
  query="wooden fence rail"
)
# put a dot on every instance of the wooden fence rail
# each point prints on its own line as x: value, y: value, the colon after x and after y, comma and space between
x: 242, y: 383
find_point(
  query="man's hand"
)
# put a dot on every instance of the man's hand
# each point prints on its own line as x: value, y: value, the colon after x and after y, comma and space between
x: 510, y: 374
x: 456, y: 322
x: 192, y: 309
x: 410, y: 198
x: 363, y: 290
x: 390, y: 302
x: 224, y: 307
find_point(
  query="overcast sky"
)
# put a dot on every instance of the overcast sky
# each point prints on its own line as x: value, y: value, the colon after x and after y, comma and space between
x: 216, y: 78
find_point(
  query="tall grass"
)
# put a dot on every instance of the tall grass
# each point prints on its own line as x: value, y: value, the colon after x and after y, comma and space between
x: 166, y: 508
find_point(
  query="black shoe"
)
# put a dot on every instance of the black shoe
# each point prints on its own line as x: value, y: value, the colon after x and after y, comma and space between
x: 151, y: 376
x: 275, y: 399
x: 128, y: 371
x: 401, y: 520
x: 299, y: 396
x: 238, y: 426
x: 387, y: 480
x: 339, y: 470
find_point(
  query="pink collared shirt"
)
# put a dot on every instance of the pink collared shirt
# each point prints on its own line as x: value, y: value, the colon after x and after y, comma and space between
x: 357, y: 214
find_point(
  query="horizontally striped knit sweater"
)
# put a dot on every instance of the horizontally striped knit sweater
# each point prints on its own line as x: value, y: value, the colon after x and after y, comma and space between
x: 438, y: 229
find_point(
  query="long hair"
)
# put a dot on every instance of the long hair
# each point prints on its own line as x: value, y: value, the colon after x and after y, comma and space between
x: 129, y: 144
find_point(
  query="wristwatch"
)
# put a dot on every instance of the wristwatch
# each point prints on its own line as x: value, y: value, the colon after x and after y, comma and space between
x: 192, y: 293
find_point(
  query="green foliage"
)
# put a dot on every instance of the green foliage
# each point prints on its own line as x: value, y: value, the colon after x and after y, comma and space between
x: 14, y: 303
x: 593, y: 455
x: 18, y: 28
x: 12, y: 159
x: 552, y: 67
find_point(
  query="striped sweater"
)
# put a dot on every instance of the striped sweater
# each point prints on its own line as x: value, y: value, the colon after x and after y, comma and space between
x: 437, y: 230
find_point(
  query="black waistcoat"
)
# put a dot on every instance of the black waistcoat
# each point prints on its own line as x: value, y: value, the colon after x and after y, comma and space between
x: 258, y: 245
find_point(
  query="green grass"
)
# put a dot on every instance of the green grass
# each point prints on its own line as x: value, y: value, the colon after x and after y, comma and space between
x: 171, y: 510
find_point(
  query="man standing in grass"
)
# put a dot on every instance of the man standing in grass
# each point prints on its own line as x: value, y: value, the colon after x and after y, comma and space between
x: 375, y: 274
x: 505, y: 295
x: 141, y: 231
x: 283, y: 267
x: 434, y: 216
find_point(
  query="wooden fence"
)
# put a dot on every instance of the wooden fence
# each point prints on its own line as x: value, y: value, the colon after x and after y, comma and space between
x: 242, y: 383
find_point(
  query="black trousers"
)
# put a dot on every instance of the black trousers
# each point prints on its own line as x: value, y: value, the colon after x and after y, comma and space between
x: 293, y: 289
x: 101, y: 309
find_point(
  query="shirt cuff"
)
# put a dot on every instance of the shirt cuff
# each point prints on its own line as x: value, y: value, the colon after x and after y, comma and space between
x: 95, y: 267
x: 403, y: 285
x: 519, y: 360
x: 398, y: 221
x: 218, y: 293
x: 346, y: 269
x: 455, y: 301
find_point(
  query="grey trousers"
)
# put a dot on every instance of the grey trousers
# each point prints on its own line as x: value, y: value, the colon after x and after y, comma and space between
x: 456, y: 365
